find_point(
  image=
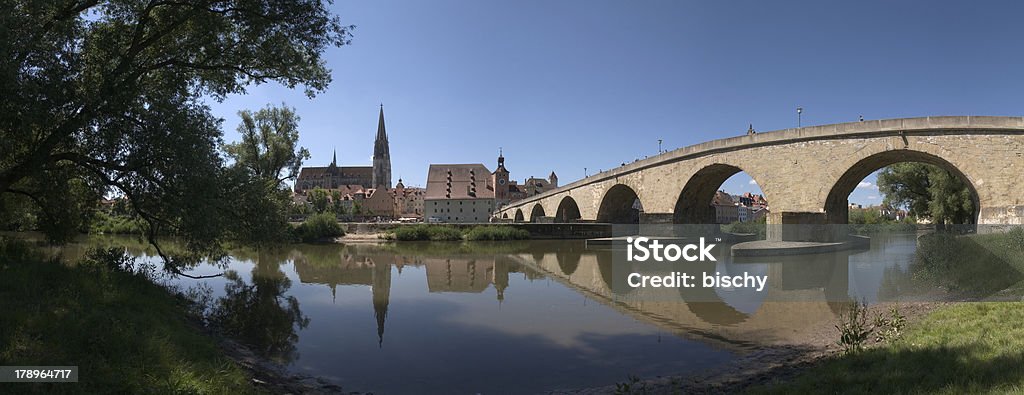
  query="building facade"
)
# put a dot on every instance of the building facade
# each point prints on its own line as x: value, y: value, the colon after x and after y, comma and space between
x: 408, y: 201
x: 459, y: 193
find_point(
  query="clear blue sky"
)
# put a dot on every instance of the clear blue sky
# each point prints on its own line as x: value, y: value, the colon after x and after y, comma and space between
x: 563, y: 85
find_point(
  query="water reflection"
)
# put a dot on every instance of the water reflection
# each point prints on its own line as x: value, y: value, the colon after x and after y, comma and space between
x: 529, y: 316
x: 259, y: 312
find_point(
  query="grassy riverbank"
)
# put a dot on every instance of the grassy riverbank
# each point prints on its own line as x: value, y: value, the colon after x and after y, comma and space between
x: 963, y: 348
x: 125, y: 333
x: 968, y: 347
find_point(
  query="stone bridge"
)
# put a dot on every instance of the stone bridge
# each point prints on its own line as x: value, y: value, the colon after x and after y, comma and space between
x: 806, y: 174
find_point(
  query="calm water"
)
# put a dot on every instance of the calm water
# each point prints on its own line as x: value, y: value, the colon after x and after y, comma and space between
x: 514, y: 317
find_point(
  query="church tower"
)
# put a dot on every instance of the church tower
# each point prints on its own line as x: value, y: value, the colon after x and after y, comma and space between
x: 500, y: 181
x: 381, y: 156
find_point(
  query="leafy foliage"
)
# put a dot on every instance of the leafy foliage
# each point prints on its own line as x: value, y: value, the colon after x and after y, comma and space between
x: 260, y: 314
x: 855, y: 331
x: 927, y: 191
x: 424, y: 232
x: 107, y: 98
x: 318, y: 227
x: 496, y: 233
x: 757, y: 227
x: 853, y: 328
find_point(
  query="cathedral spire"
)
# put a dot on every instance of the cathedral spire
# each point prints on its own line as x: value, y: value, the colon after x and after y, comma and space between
x: 334, y: 158
x: 381, y: 155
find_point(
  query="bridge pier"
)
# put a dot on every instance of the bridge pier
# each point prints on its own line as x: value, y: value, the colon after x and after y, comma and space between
x: 803, y: 226
x: 656, y: 218
x: 1003, y: 215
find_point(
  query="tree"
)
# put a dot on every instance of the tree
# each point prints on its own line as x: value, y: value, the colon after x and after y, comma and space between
x: 107, y: 97
x: 927, y: 191
x: 267, y: 156
x: 269, y: 147
x: 337, y: 205
x: 318, y: 199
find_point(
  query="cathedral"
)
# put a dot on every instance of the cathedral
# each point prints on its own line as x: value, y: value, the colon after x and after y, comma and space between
x: 377, y: 176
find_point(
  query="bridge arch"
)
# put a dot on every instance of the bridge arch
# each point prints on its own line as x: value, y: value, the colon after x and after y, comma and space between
x: 693, y: 206
x: 837, y: 204
x: 536, y: 212
x: 568, y: 261
x: 620, y: 205
x: 568, y: 210
x: 519, y: 215
x: 504, y: 215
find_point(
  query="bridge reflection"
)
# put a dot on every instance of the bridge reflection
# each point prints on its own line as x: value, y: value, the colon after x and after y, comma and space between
x: 802, y: 292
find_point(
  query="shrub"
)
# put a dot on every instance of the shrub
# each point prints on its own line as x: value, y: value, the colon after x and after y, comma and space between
x: 890, y: 328
x: 976, y: 265
x: 318, y: 227
x: 104, y: 223
x: 491, y: 233
x: 424, y: 232
x: 757, y: 227
x: 853, y: 327
x: 855, y: 332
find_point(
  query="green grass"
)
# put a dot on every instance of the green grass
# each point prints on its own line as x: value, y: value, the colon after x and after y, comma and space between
x: 125, y: 333
x: 963, y: 348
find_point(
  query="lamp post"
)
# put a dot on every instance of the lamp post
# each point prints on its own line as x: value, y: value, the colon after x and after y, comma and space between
x: 584, y: 172
x: 799, y: 110
x: 659, y: 146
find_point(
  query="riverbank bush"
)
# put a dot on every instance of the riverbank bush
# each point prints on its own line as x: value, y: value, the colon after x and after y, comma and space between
x: 973, y: 265
x: 318, y: 227
x: 125, y: 333
x: 870, y: 221
x: 424, y: 232
x: 107, y: 224
x: 757, y: 227
x: 966, y: 348
x: 496, y: 233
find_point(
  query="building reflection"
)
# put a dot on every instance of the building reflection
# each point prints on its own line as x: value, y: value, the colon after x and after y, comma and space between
x: 346, y: 266
x: 802, y: 291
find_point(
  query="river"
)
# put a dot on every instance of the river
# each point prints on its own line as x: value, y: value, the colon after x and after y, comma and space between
x: 514, y: 317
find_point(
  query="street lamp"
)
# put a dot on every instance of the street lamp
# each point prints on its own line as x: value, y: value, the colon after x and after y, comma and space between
x: 659, y: 146
x: 584, y: 172
x: 799, y: 110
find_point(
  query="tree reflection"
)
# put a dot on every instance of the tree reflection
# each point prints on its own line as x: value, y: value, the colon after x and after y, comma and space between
x: 259, y: 314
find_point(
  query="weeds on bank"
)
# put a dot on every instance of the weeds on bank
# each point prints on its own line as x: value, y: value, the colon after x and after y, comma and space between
x: 632, y: 386
x: 855, y: 330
